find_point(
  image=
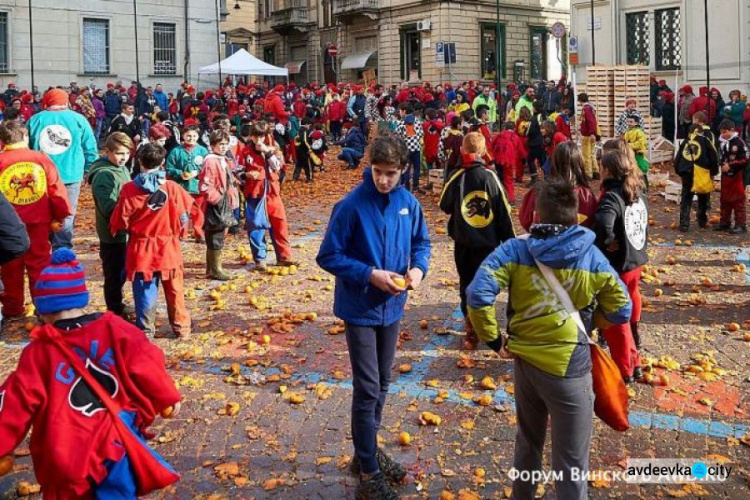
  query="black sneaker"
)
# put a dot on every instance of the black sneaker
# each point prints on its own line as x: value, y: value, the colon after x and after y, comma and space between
x: 393, y: 470
x: 738, y: 230
x: 722, y: 227
x: 684, y: 229
x: 627, y: 380
x: 637, y: 373
x: 375, y: 488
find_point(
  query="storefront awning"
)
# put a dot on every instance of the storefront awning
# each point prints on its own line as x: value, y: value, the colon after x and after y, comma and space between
x: 294, y: 67
x: 358, y: 60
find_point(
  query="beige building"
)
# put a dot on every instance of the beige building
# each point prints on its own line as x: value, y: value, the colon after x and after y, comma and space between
x: 398, y: 39
x: 93, y: 42
x: 668, y: 36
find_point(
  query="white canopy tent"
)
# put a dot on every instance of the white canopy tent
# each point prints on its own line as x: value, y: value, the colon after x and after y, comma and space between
x: 243, y: 63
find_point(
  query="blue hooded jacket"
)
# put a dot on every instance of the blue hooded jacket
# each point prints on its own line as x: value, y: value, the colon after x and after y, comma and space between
x: 355, y: 140
x: 369, y: 230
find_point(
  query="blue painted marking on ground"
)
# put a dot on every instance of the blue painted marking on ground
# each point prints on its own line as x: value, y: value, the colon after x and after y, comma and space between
x: 742, y: 256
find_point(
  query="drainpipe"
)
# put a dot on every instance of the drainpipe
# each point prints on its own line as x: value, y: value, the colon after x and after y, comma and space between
x: 186, y: 69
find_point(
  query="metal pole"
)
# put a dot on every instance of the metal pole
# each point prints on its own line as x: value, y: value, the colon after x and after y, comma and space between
x: 593, y: 40
x: 31, y: 46
x: 498, y: 75
x: 708, y: 66
x: 218, y: 39
x: 135, y: 27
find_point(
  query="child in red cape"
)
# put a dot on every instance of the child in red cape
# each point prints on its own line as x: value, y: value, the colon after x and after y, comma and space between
x: 75, y: 447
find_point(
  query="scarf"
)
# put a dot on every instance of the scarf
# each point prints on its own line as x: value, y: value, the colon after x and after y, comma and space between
x: 150, y: 181
x: 128, y: 119
x: 724, y: 143
x: 544, y: 231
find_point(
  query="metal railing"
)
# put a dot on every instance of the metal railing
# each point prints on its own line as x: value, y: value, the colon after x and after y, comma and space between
x: 351, y: 6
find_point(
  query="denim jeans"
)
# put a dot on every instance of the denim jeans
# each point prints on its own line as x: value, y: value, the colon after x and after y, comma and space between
x: 371, y: 352
x: 64, y: 237
x: 351, y: 156
x: 415, y: 159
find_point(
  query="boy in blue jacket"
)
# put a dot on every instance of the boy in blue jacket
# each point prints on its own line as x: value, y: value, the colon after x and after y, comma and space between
x: 377, y: 246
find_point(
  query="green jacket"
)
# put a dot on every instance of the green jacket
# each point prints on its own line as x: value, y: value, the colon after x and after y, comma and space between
x: 180, y: 160
x: 106, y: 182
x: 489, y: 102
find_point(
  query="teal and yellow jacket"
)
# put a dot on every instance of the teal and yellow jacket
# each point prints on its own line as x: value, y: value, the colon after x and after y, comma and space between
x: 541, y: 332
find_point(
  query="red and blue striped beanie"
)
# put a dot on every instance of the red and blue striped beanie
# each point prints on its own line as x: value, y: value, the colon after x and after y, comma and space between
x: 62, y: 284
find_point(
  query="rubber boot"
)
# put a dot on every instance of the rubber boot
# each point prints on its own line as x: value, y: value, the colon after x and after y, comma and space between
x: 636, y: 335
x: 471, y: 340
x: 216, y: 271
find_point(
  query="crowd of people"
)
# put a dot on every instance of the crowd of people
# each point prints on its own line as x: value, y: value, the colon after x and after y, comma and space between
x: 164, y: 168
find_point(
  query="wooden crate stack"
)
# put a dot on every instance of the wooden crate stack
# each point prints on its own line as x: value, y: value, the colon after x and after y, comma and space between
x: 600, y: 89
x: 631, y: 81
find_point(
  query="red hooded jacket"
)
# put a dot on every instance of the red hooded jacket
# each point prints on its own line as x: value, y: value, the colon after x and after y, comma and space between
x: 703, y: 103
x: 70, y: 444
x: 273, y: 104
x: 337, y: 110
x: 432, y: 132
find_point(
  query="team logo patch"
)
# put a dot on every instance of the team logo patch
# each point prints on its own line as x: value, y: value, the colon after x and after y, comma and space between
x: 2, y: 400
x: 636, y: 222
x: 476, y: 209
x: 23, y: 183
x: 82, y: 398
x: 55, y: 139
x: 157, y: 200
x: 198, y: 160
x: 692, y: 151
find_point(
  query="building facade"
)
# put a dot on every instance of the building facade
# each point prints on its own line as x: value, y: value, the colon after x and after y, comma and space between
x: 668, y: 36
x: 398, y: 40
x: 94, y: 41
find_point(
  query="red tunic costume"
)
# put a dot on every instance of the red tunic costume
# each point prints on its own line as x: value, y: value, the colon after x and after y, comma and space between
x: 31, y: 183
x: 69, y: 444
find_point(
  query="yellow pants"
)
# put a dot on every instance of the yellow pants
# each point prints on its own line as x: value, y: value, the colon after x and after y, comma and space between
x: 589, y: 156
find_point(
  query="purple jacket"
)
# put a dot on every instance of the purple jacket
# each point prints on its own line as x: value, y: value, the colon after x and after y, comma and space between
x: 99, y: 107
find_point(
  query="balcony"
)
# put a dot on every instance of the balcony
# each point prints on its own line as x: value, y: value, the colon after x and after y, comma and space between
x: 347, y: 10
x: 289, y: 16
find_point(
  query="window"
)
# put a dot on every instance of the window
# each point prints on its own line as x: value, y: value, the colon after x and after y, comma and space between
x: 538, y: 53
x: 637, y: 29
x: 668, y: 51
x: 165, y: 49
x: 269, y: 54
x: 411, y: 67
x: 327, y: 6
x: 96, y: 46
x: 4, y: 42
x: 366, y: 44
x: 489, y: 48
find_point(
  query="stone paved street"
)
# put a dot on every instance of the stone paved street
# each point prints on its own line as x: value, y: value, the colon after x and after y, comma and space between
x: 272, y: 448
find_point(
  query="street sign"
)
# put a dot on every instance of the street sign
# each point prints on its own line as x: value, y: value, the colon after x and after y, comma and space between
x: 597, y: 23
x: 439, y: 55
x: 333, y: 50
x: 450, y: 53
x: 573, y: 50
x: 558, y: 30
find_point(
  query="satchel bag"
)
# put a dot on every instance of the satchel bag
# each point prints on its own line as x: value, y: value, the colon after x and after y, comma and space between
x: 221, y: 215
x: 258, y: 218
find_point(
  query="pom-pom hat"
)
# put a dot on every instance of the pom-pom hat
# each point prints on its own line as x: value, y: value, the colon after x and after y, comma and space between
x: 61, y: 285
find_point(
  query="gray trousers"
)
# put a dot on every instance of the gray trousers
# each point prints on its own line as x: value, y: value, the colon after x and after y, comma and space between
x: 569, y: 403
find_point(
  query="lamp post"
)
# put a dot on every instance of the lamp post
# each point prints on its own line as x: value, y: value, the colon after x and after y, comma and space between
x: 218, y: 39
x: 498, y: 75
x: 31, y: 46
x: 593, y: 40
x: 708, y: 67
x: 135, y: 27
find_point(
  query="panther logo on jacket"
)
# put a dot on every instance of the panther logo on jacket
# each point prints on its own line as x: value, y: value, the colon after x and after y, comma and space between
x: 476, y: 209
x: 82, y: 398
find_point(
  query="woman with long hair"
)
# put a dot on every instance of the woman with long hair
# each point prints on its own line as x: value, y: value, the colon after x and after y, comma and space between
x: 621, y: 227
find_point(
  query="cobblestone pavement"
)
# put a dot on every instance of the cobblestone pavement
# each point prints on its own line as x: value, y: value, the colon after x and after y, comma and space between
x: 272, y: 448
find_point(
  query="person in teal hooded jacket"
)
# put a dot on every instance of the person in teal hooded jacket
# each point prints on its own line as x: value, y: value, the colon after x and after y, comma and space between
x: 735, y: 110
x: 186, y: 160
x: 68, y: 139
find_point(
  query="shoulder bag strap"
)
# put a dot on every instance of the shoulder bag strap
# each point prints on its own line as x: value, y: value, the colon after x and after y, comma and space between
x: 562, y: 295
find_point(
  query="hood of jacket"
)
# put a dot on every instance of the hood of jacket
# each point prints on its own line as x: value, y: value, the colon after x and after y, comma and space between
x: 101, y: 165
x: 150, y: 181
x: 560, y: 249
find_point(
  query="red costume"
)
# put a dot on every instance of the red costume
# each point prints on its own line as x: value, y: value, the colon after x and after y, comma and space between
x: 30, y: 182
x: 69, y: 444
x: 587, y: 204
x: 704, y: 103
x: 299, y: 108
x: 275, y: 106
x: 562, y: 124
x: 507, y: 151
x: 254, y: 163
x: 432, y: 132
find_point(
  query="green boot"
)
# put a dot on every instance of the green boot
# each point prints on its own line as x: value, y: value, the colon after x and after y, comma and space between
x: 215, y: 271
